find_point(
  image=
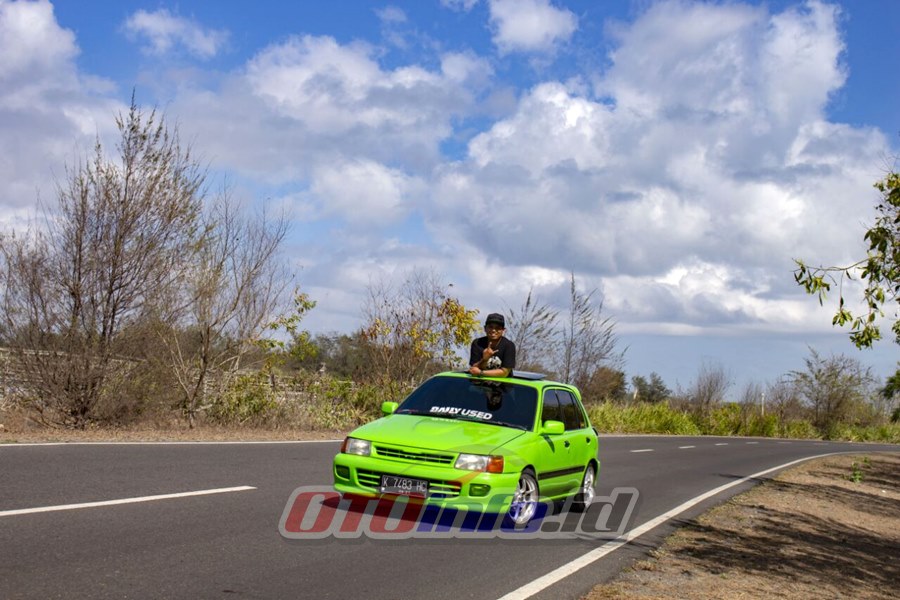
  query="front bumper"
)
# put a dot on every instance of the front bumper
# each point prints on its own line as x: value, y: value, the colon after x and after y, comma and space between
x: 488, y: 492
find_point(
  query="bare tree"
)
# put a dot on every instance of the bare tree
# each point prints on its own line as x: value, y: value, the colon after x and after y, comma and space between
x: 835, y: 388
x: 235, y: 283
x: 118, y: 237
x: 587, y: 338
x: 533, y: 329
x: 708, y: 390
x: 753, y: 396
x: 782, y: 399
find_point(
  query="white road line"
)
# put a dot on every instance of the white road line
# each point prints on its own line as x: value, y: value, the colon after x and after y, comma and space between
x: 41, y: 509
x: 722, y: 444
x: 685, y: 447
x: 752, y: 442
x: 644, y: 450
x: 541, y: 583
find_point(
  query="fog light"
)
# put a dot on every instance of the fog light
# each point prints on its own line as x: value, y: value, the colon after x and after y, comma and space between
x: 342, y: 471
x: 477, y: 490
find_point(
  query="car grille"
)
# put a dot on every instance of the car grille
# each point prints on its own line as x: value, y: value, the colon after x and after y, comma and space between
x: 434, y: 458
x: 436, y: 488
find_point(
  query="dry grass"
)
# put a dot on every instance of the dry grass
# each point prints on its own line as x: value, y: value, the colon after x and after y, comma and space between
x: 14, y: 429
x: 829, y: 528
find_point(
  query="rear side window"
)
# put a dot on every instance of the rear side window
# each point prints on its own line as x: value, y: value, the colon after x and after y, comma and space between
x: 551, y: 410
x: 572, y: 415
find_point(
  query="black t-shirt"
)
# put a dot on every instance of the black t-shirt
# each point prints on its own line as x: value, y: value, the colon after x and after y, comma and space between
x: 505, y: 356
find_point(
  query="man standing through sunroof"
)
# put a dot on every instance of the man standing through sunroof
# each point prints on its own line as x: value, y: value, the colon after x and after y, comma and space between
x: 493, y: 355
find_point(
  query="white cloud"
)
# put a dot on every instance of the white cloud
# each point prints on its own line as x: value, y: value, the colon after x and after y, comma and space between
x: 688, y: 158
x: 33, y: 46
x: 724, y: 62
x: 364, y: 193
x: 164, y: 32
x: 800, y: 61
x: 530, y: 25
x: 48, y: 109
x: 459, y: 5
x: 391, y: 15
x: 550, y: 127
x: 310, y: 101
x: 466, y: 68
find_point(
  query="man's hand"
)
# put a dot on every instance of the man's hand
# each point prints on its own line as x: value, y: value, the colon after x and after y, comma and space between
x: 488, y: 352
x: 475, y: 370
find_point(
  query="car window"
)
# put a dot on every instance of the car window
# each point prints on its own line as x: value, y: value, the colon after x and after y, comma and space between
x: 572, y: 416
x: 550, y: 411
x: 484, y: 400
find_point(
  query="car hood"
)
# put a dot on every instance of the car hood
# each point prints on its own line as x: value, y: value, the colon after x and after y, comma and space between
x: 436, y: 433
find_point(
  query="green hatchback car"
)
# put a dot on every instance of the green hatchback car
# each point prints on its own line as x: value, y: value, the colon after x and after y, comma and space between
x: 502, y: 445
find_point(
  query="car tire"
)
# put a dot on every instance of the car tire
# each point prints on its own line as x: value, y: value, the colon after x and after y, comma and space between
x: 525, y: 500
x: 585, y: 495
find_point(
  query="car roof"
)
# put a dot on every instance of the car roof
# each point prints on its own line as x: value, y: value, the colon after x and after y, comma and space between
x: 529, y: 378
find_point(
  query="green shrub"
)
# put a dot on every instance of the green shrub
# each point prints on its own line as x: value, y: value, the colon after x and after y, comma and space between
x: 888, y: 433
x: 641, y: 418
x: 249, y: 399
x: 761, y: 426
x: 803, y: 430
x: 322, y: 402
x: 723, y: 420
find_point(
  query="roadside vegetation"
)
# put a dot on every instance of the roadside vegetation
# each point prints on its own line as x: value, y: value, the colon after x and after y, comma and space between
x: 145, y: 297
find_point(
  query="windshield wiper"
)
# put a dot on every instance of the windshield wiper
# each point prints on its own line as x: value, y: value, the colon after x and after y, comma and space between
x: 489, y: 422
x: 505, y: 424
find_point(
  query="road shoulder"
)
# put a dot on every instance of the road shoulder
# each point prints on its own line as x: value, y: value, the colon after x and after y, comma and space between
x: 827, y: 528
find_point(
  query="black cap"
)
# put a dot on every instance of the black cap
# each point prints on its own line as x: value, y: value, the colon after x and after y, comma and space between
x: 495, y: 318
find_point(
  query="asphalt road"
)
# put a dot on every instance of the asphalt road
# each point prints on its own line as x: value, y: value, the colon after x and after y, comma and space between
x: 227, y: 544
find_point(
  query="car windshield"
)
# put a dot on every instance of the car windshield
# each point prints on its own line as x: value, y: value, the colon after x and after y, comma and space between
x: 483, y: 400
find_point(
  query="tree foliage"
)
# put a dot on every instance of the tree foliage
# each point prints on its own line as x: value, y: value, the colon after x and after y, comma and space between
x: 653, y: 391
x: 880, y: 271
x: 414, y: 328
x: 838, y: 389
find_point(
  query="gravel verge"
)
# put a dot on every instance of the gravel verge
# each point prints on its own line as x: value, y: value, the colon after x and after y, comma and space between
x: 829, y: 528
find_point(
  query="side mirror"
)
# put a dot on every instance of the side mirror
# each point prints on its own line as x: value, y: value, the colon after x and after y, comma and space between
x: 553, y: 428
x: 388, y: 408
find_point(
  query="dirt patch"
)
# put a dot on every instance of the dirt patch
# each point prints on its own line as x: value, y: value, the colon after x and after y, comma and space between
x: 829, y: 528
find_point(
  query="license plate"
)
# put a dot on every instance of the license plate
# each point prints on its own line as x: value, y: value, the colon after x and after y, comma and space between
x: 404, y: 486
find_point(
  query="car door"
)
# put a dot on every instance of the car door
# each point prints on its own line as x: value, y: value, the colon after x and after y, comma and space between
x: 578, y: 442
x: 558, y: 473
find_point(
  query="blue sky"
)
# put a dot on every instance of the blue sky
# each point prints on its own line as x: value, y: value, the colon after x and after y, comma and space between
x: 674, y: 155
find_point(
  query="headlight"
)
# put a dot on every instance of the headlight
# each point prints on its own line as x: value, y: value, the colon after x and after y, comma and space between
x: 355, y: 446
x: 480, y: 462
